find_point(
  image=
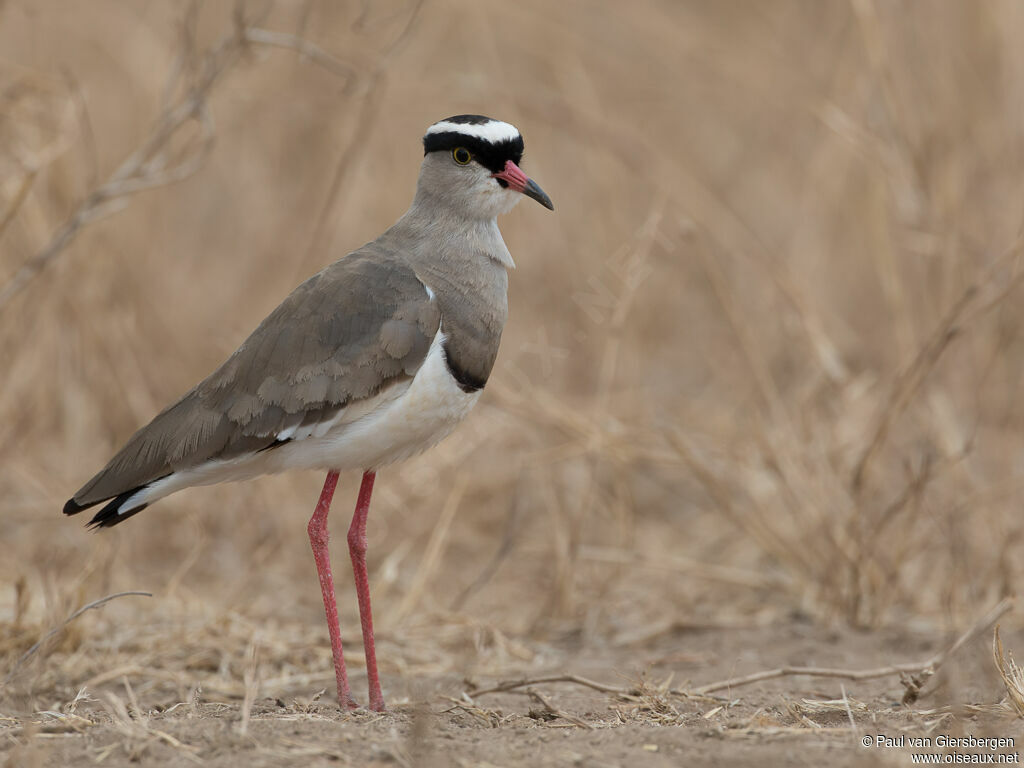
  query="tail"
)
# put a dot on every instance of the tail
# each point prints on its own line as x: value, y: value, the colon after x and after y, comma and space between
x: 117, y: 510
x: 190, y: 443
x: 131, y: 481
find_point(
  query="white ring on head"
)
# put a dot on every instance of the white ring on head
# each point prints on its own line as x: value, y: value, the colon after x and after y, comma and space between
x: 494, y: 131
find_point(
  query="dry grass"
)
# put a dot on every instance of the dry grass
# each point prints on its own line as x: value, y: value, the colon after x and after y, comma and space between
x: 763, y: 363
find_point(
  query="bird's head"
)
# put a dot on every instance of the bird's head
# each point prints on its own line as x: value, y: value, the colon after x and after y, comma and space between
x: 471, y: 163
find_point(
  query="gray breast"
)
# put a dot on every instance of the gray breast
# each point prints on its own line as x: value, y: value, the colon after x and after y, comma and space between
x: 474, y: 307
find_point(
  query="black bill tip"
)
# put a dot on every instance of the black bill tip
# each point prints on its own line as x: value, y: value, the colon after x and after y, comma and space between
x: 532, y: 189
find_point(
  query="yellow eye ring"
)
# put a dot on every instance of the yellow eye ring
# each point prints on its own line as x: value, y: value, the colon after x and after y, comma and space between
x: 461, y: 155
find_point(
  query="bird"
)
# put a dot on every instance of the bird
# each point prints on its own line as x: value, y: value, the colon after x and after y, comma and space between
x: 372, y: 360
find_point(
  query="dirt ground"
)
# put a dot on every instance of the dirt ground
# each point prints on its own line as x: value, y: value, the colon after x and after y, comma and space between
x: 432, y: 721
x: 757, y: 403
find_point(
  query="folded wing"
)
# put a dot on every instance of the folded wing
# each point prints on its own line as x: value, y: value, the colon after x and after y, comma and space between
x: 346, y: 334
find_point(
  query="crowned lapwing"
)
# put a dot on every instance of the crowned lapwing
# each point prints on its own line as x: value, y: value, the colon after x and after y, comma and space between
x: 372, y: 360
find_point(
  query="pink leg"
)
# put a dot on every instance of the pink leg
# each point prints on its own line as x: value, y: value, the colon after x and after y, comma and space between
x: 318, y: 537
x: 357, y: 550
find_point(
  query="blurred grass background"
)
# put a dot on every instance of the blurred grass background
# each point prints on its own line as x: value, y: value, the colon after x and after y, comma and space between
x: 764, y: 359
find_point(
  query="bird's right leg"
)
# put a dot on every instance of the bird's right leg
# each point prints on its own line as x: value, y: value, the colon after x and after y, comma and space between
x: 318, y: 537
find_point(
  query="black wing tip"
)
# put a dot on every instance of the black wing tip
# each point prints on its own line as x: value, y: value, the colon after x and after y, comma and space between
x: 111, y: 513
x: 72, y: 507
x: 109, y: 516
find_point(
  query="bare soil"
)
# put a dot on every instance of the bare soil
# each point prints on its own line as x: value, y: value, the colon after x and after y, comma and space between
x: 430, y: 721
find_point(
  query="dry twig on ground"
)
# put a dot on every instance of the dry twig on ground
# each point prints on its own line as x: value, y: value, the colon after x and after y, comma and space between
x: 511, y: 685
x: 919, y: 672
x: 928, y: 667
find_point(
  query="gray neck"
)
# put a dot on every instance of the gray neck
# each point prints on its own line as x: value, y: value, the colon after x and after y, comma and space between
x: 443, y: 229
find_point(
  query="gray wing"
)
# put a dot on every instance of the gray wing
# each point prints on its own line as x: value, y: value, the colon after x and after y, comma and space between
x: 360, y: 325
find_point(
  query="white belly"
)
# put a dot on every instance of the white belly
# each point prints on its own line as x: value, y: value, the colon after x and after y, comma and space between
x: 397, y: 424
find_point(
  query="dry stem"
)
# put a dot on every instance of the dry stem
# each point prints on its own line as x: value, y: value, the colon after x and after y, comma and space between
x: 910, y: 381
x: 89, y: 606
x: 1011, y: 674
x: 151, y: 165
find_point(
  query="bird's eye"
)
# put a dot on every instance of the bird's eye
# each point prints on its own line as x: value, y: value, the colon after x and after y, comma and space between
x: 461, y: 155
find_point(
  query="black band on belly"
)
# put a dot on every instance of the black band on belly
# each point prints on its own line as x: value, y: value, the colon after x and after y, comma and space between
x: 467, y: 381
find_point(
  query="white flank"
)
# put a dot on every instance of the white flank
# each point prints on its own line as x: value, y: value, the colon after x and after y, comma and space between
x: 400, y: 422
x: 495, y: 131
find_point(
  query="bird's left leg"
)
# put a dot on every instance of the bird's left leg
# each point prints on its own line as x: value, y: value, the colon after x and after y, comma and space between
x: 357, y: 550
x: 318, y: 537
